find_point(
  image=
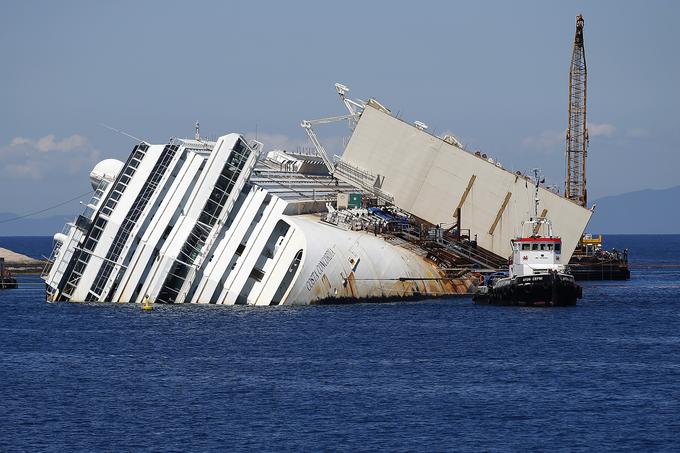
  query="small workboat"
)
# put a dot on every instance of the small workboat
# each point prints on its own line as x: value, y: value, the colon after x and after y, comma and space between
x: 536, y: 276
x: 7, y: 281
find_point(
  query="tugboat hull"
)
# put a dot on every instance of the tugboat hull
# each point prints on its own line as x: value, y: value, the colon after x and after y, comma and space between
x: 545, y: 290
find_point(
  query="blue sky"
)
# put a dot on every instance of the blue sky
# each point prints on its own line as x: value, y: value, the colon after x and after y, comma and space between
x: 493, y: 73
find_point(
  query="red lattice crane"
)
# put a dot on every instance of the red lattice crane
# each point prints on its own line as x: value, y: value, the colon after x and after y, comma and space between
x: 577, y: 132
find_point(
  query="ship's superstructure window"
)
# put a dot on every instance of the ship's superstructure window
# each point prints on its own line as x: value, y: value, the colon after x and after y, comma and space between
x: 166, y: 232
x: 95, y: 234
x: 211, y: 212
x: 96, y: 197
x: 526, y: 247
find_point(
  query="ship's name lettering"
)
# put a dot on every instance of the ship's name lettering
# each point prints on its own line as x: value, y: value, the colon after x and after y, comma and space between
x: 320, y: 267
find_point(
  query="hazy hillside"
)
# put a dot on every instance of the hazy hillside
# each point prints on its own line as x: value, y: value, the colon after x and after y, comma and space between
x: 45, y: 226
x: 644, y: 212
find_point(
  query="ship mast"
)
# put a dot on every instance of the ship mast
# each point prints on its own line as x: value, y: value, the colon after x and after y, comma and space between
x: 537, y: 177
x: 537, y: 221
x: 577, y: 132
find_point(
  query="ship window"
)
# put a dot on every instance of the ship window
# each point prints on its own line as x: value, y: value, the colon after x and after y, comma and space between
x: 542, y: 246
x: 534, y: 246
x: 96, y: 233
x: 90, y: 244
x: 166, y: 233
x: 526, y: 246
x: 550, y: 246
x: 257, y: 274
x: 558, y: 247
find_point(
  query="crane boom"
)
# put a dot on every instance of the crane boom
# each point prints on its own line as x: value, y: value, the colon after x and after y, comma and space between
x: 577, y: 132
x: 320, y: 150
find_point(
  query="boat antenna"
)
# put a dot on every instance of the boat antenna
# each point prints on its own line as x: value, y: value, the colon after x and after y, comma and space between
x: 197, y: 134
x: 123, y: 132
x: 539, y: 180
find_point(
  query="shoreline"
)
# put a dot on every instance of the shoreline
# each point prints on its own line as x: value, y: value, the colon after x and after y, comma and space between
x: 17, y: 263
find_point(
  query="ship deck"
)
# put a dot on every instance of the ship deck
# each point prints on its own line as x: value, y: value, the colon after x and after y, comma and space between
x: 295, y: 186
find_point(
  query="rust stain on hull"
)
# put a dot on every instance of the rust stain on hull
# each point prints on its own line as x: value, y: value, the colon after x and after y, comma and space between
x: 407, y: 289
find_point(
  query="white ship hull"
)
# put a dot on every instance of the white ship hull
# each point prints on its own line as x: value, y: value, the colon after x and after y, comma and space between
x: 356, y: 265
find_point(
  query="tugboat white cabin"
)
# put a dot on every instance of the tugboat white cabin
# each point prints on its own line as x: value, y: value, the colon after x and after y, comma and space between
x: 535, y: 254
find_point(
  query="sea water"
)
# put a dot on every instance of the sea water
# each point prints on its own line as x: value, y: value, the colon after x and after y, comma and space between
x: 429, y: 376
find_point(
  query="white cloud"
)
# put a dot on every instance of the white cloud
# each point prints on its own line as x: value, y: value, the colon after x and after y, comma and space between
x: 47, y: 143
x: 40, y: 157
x: 552, y: 140
x: 546, y: 141
x: 18, y: 141
x: 601, y: 129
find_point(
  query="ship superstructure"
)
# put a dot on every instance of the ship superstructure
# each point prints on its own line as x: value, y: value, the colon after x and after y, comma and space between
x: 199, y: 221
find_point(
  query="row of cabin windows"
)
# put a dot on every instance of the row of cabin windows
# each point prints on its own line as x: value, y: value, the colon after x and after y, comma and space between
x: 213, y: 207
x: 123, y: 181
x: 131, y: 219
x: 100, y: 223
x: 542, y: 247
x: 95, y: 234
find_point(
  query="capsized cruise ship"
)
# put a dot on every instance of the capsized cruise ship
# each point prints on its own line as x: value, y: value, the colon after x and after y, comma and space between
x: 220, y: 222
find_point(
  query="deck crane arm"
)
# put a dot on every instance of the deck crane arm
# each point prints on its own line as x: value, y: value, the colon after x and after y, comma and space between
x: 354, y: 107
x: 307, y: 125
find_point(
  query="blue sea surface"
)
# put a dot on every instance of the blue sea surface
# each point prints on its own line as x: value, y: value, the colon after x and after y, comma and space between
x: 441, y: 375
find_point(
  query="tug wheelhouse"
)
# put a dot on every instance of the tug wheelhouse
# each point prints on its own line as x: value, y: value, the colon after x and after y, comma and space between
x: 534, y: 255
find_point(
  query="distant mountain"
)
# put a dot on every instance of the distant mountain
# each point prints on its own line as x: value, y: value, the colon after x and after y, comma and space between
x: 642, y: 212
x: 45, y: 226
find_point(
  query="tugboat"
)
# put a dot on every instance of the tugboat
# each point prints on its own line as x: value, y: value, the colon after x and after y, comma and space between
x: 536, y: 275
